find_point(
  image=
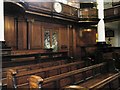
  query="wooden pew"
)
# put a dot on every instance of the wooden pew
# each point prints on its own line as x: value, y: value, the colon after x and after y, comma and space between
x: 21, y: 55
x: 37, y: 54
x: 33, y: 80
x: 72, y: 77
x: 116, y: 56
x: 30, y: 67
x: 36, y: 66
x: 21, y: 78
x: 113, y: 59
x: 109, y: 81
x: 25, y: 57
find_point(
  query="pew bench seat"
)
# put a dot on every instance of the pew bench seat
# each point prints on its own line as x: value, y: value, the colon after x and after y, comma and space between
x: 100, y: 82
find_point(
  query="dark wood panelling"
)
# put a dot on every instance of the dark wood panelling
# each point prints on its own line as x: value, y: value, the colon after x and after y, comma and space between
x: 84, y: 38
x: 115, y: 3
x: 63, y: 38
x: 79, y: 42
x: 71, y: 42
x: 10, y: 33
x: 112, y: 14
x: 46, y: 5
x: 66, y: 10
x: 22, y: 35
x: 35, y: 35
x: 74, y: 43
x: 89, y: 37
x: 31, y: 34
x: 109, y: 12
x: 40, y: 6
x: 88, y: 13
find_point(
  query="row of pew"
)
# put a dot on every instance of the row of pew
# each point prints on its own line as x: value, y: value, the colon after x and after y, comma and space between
x: 21, y: 77
x: 90, y: 77
x: 63, y: 75
x: 105, y: 81
x: 25, y: 57
x: 29, y: 67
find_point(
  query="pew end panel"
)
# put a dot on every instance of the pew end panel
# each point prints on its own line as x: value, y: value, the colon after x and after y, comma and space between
x: 35, y: 82
x: 11, y: 82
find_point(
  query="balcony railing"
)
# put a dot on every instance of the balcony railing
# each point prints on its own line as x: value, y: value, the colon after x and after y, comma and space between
x: 39, y: 6
x: 68, y: 12
x: 88, y: 13
x: 114, y: 3
x: 112, y: 12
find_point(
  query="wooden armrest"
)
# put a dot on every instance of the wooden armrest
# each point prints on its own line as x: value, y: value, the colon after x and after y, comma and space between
x: 35, y: 81
x: 12, y: 71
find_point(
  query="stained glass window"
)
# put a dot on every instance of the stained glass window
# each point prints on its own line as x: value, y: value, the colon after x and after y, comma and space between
x: 47, y: 39
x: 54, y: 41
x: 51, y: 39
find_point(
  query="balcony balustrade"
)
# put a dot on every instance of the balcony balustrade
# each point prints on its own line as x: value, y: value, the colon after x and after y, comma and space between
x: 47, y: 9
x: 88, y: 13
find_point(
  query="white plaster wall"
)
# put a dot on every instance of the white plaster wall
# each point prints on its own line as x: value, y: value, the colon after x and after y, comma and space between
x: 115, y: 41
x: 107, y: 5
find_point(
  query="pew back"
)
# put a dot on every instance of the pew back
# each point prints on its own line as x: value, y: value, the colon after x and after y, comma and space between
x: 25, y: 68
x: 21, y: 78
x: 61, y: 80
x: 109, y: 80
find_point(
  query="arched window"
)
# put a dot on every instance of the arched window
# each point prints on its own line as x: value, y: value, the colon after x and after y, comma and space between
x: 51, y: 39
